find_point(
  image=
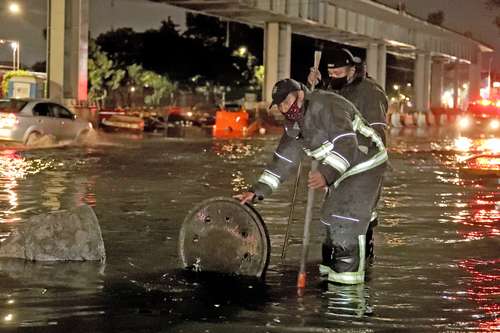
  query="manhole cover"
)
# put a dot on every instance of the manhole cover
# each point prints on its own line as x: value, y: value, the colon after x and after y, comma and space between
x: 221, y: 235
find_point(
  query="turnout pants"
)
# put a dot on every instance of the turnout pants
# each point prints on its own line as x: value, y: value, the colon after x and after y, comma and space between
x: 346, y: 214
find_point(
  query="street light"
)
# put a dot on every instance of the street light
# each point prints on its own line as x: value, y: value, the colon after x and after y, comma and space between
x: 15, y: 52
x: 14, y: 8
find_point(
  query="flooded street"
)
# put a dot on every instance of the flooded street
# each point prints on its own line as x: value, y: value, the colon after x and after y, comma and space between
x: 436, y: 267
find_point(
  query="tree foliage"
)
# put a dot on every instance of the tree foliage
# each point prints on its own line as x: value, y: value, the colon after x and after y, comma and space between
x: 436, y: 18
x: 492, y: 4
x: 198, y: 56
x: 102, y: 75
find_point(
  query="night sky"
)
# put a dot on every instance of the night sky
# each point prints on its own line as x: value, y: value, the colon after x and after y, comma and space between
x: 460, y: 15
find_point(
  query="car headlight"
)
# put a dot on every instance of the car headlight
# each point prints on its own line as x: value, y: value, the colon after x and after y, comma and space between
x: 463, y: 144
x: 464, y: 122
x: 495, y: 124
x: 492, y: 145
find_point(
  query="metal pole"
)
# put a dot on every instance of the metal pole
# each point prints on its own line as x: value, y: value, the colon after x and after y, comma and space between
x: 301, y: 279
x: 18, y: 50
x: 290, y: 216
x: 47, y: 51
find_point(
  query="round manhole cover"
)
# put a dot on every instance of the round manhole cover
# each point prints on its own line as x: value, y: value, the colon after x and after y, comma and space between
x: 222, y: 235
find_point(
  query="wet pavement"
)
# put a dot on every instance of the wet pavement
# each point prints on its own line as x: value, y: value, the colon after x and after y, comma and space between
x: 437, y: 265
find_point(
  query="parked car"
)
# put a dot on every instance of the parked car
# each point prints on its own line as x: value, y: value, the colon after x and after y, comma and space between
x: 27, y: 120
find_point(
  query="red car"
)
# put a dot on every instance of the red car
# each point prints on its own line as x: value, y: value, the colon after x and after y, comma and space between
x: 482, y: 116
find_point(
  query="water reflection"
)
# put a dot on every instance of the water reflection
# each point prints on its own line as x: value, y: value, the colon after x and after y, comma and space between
x: 347, y: 301
x: 14, y: 167
x: 435, y: 266
x: 59, y: 187
x: 67, y: 287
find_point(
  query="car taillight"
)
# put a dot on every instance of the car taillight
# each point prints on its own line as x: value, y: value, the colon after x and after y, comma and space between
x: 8, y: 120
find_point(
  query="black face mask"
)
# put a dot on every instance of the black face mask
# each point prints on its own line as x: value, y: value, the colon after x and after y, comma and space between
x: 338, y: 83
x: 294, y: 113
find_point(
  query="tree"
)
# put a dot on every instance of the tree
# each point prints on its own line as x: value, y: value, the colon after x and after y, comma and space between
x: 39, y: 66
x: 200, y: 52
x: 436, y: 18
x: 491, y: 4
x: 160, y: 85
x: 102, y: 75
x: 140, y: 79
x: 123, y: 46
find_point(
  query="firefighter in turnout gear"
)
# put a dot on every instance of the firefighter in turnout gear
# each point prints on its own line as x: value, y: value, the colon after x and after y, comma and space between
x: 330, y: 129
x: 347, y: 76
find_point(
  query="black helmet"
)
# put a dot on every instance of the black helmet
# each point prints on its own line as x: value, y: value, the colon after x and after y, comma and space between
x: 341, y: 58
x: 282, y: 88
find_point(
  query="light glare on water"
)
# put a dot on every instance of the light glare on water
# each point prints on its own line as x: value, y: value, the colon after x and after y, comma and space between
x: 436, y: 265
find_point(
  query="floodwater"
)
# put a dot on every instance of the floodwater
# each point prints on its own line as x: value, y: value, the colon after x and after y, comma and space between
x: 437, y: 265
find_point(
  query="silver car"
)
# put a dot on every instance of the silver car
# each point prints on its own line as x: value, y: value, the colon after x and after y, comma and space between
x: 26, y: 120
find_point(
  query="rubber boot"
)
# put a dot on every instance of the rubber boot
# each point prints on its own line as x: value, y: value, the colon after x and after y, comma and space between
x: 369, y: 251
x: 348, y: 264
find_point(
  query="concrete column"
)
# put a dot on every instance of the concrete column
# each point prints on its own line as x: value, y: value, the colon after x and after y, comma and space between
x: 277, y: 56
x: 67, y: 51
x: 437, y: 84
x: 55, y: 49
x: 372, y: 60
x: 76, y: 48
x: 427, y: 82
x: 456, y: 82
x: 419, y: 82
x: 382, y: 65
x: 475, y: 78
x: 284, y: 51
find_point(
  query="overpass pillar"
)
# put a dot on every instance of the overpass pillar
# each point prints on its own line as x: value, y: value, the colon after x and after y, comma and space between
x: 372, y: 62
x: 437, y: 84
x: 277, y: 55
x: 382, y: 65
x: 475, y: 78
x: 67, y: 51
x: 419, y: 82
x: 427, y: 82
x: 456, y: 79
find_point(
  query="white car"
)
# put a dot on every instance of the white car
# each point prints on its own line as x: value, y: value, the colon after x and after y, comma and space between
x: 26, y: 120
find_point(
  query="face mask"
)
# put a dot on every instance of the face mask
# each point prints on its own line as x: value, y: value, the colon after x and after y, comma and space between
x: 338, y: 82
x: 294, y: 113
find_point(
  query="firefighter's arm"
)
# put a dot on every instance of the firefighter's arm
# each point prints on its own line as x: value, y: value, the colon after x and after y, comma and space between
x: 338, y: 153
x: 376, y: 105
x: 285, y: 160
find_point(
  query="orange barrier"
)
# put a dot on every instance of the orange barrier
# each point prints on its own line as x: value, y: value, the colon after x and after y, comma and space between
x: 430, y: 118
x: 437, y: 117
x: 395, y: 120
x: 408, y: 120
x: 230, y: 124
x: 421, y: 119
